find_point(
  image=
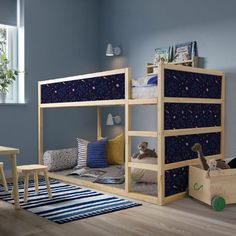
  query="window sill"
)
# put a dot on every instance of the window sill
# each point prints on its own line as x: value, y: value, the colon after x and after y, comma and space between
x: 12, y: 104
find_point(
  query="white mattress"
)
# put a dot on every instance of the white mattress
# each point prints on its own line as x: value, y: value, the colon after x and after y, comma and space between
x: 144, y: 92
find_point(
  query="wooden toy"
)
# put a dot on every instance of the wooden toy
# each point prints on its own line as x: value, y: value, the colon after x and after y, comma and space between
x: 216, y: 190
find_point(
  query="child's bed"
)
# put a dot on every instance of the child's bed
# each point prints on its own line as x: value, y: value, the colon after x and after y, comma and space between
x: 190, y: 108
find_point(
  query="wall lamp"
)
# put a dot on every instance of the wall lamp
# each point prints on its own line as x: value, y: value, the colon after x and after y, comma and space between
x: 112, y: 51
x: 111, y: 120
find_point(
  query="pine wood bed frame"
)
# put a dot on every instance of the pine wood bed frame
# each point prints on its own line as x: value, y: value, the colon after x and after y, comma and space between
x: 161, y: 167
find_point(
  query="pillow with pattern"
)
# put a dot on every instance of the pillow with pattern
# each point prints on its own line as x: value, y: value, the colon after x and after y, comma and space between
x: 97, y: 154
x: 82, y: 153
x: 60, y: 159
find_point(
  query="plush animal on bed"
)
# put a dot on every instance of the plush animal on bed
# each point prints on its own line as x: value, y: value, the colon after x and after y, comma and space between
x: 197, y: 147
x: 144, y: 151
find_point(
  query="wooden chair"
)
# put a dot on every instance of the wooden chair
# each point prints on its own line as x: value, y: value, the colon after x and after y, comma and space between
x: 35, y: 169
x: 4, y: 182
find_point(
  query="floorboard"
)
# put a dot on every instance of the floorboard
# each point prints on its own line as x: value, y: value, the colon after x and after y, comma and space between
x: 185, y: 217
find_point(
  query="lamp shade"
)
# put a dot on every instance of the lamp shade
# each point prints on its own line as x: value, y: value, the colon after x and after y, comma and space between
x: 109, y: 52
x: 109, y: 119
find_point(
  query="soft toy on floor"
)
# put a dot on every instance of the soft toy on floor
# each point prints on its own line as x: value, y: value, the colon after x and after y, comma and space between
x: 197, y: 147
x: 144, y: 151
x: 212, y: 167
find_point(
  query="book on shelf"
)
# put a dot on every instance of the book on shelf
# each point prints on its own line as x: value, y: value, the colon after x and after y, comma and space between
x: 85, y: 172
x: 184, y: 52
x: 162, y: 55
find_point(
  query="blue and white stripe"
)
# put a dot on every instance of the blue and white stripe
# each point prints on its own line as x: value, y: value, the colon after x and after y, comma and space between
x: 82, y: 153
x: 68, y: 203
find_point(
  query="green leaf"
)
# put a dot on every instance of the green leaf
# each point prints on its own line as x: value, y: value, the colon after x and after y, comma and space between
x: 10, y: 74
x: 3, y: 57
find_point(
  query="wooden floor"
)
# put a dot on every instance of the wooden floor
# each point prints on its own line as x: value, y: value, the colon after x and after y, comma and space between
x: 185, y: 217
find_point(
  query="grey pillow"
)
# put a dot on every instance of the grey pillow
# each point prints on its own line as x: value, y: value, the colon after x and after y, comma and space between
x: 144, y: 176
x: 60, y: 159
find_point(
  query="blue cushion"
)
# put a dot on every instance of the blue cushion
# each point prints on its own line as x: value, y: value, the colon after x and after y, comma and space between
x: 152, y: 80
x: 97, y: 154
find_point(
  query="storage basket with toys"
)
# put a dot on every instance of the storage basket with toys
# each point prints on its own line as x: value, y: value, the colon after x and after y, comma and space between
x: 213, y: 183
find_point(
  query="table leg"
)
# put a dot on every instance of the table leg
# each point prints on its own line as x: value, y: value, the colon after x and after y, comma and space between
x: 26, y: 186
x: 47, y: 183
x: 4, y: 182
x: 36, y: 182
x: 15, y: 181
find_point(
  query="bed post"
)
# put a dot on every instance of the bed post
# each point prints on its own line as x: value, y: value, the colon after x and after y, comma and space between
x: 40, y: 127
x: 99, y: 123
x: 128, y: 119
x: 222, y: 143
x: 160, y: 136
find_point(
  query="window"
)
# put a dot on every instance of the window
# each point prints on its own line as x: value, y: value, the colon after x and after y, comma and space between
x: 8, y: 46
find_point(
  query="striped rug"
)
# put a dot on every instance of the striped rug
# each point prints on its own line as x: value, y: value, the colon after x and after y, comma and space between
x: 68, y: 203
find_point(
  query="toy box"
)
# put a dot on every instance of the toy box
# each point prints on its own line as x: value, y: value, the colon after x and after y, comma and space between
x: 217, y: 188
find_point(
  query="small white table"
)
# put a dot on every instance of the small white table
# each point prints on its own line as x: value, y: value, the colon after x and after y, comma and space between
x: 12, y: 152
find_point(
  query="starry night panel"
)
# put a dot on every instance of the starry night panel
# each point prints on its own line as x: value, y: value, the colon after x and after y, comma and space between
x: 100, y: 88
x: 176, y: 181
x: 178, y: 148
x: 192, y: 85
x: 182, y: 115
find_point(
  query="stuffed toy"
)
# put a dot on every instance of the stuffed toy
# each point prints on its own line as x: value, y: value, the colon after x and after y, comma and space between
x: 212, y: 167
x: 197, y: 147
x: 144, y: 151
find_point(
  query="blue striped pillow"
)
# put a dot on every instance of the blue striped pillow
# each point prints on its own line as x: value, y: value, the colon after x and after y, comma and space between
x: 97, y: 154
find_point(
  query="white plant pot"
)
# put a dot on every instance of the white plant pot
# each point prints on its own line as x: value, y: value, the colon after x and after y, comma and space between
x: 3, y: 97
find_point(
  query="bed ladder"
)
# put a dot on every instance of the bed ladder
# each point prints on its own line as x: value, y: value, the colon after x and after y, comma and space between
x: 159, y: 167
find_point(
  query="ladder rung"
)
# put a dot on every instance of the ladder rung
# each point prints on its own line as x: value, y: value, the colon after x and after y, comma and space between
x: 147, y: 101
x: 190, y: 131
x: 143, y: 133
x: 143, y: 166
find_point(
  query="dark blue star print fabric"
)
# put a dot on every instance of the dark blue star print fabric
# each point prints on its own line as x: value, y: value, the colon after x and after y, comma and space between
x: 182, y: 115
x: 178, y: 148
x: 192, y: 85
x: 176, y: 181
x: 95, y: 89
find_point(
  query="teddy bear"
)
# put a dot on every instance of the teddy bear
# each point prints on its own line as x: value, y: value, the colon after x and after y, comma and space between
x: 144, y: 151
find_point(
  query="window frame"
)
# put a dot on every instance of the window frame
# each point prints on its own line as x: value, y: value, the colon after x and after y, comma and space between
x: 12, y: 56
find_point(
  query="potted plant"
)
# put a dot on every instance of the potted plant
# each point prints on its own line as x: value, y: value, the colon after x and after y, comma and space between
x: 7, y: 77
